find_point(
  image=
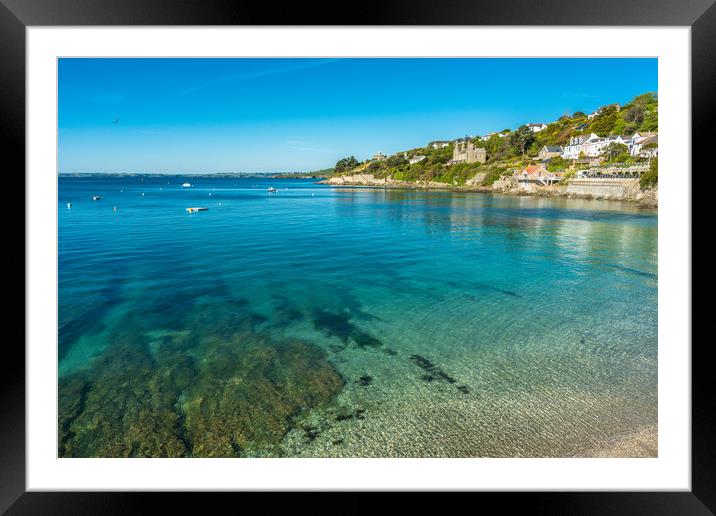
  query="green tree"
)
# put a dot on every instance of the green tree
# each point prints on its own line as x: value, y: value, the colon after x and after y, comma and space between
x: 650, y: 178
x: 346, y: 164
x: 651, y: 121
x: 603, y: 123
x: 396, y: 160
x: 557, y: 164
x: 521, y: 139
x: 614, y: 149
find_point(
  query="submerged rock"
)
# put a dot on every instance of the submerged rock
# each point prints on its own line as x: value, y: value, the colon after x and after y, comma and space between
x: 248, y: 391
x: 208, y: 397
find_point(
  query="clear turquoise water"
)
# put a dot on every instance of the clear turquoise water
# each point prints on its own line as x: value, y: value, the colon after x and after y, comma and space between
x: 325, y: 321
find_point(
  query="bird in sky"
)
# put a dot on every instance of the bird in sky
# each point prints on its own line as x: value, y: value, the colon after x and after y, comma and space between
x: 115, y: 121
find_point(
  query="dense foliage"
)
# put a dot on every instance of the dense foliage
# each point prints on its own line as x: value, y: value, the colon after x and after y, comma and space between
x: 650, y: 178
x: 346, y: 164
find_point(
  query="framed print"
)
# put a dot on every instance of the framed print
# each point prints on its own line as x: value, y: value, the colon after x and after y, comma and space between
x: 429, y: 251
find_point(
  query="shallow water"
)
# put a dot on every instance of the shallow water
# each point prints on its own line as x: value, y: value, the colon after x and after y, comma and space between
x: 325, y: 321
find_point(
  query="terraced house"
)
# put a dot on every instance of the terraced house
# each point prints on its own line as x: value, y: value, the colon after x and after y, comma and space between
x: 592, y: 146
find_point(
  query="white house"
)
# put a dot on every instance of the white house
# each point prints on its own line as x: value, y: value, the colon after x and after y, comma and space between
x: 416, y: 159
x: 535, y: 128
x: 440, y: 144
x: 592, y: 146
x: 574, y: 147
x: 490, y: 135
x: 639, y: 140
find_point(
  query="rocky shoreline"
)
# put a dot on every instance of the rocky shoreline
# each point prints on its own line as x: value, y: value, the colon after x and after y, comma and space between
x: 627, y: 190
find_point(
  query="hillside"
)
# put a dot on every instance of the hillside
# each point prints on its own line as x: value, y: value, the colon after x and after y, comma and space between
x: 511, y: 148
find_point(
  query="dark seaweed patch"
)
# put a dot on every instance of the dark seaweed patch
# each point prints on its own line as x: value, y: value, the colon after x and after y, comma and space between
x: 311, y: 432
x: 430, y: 368
x: 345, y: 416
x: 433, y: 372
x: 363, y: 340
x: 338, y: 441
x: 339, y: 325
x: 336, y: 325
x: 365, y: 380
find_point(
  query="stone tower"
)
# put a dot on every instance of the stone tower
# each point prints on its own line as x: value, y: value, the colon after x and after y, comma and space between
x: 467, y: 152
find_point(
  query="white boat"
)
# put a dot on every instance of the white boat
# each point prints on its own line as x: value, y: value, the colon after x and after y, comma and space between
x: 192, y: 210
x: 186, y: 185
x: 69, y: 205
x: 96, y: 197
x: 271, y: 189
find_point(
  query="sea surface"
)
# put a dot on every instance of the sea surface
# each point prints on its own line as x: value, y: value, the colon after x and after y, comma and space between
x: 323, y: 321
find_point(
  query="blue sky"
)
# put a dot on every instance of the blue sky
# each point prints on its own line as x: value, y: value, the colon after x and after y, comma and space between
x: 271, y: 115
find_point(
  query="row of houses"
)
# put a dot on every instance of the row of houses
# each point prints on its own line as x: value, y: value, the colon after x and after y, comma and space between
x: 441, y: 144
x: 592, y: 146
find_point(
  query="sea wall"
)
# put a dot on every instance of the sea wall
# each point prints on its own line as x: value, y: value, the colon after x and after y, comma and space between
x: 604, y: 188
x: 587, y: 188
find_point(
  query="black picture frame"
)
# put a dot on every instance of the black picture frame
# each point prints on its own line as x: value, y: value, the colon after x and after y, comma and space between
x: 16, y: 15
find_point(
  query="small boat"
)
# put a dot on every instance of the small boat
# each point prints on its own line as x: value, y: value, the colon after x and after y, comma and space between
x: 271, y: 189
x: 69, y: 205
x: 186, y: 185
x: 96, y: 197
x: 192, y: 210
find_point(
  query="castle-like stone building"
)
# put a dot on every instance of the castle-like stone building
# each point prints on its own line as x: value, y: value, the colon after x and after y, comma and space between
x: 467, y: 152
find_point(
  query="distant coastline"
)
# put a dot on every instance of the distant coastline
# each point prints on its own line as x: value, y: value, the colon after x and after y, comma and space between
x: 230, y: 175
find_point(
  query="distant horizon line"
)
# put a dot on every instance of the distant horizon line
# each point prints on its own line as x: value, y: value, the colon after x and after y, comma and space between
x: 183, y: 173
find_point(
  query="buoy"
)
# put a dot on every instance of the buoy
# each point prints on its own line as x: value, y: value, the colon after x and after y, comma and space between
x: 142, y: 193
